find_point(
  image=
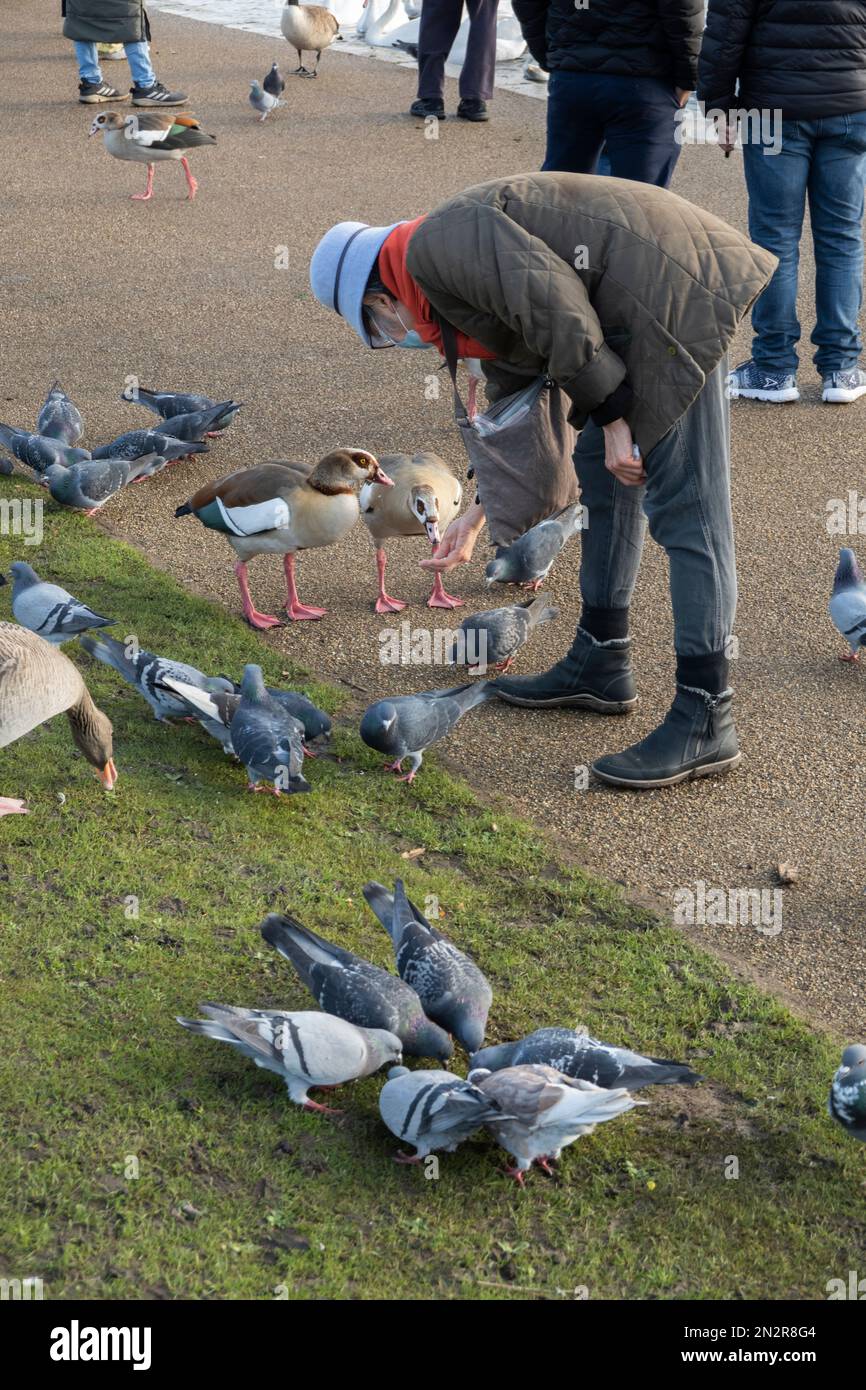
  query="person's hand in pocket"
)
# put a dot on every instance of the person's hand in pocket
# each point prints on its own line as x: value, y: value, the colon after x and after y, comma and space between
x: 621, y: 454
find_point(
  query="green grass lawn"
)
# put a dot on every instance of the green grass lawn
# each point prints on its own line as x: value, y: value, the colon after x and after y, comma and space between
x: 139, y: 1161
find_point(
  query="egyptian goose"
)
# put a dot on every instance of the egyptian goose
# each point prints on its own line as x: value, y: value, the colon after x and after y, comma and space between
x: 281, y: 508
x: 37, y: 682
x: 425, y: 498
x: 309, y: 29
x: 146, y: 138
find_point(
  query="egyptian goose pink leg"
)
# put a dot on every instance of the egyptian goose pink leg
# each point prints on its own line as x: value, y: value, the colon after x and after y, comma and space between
x: 11, y: 806
x: 295, y: 609
x: 262, y: 621
x: 148, y: 192
x: 190, y: 181
x: 438, y: 597
x: 385, y: 603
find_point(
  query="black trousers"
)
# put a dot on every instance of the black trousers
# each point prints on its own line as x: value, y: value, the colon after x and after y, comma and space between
x: 440, y: 20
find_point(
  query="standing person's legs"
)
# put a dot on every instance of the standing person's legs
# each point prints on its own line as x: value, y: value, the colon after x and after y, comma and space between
x: 476, y: 76
x: 575, y: 132
x: 640, y: 128
x: 688, y: 505
x: 836, y: 180
x: 140, y: 67
x: 777, y: 185
x: 88, y: 62
x: 440, y: 20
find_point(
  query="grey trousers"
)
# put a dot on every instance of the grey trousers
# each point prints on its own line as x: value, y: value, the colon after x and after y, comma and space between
x: 687, y: 502
x: 440, y: 20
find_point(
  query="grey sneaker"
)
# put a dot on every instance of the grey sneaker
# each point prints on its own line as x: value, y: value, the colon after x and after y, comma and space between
x: 754, y: 384
x: 157, y: 95
x: 841, y: 387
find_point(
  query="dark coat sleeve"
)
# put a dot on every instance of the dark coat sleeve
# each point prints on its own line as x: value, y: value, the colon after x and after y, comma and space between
x: 531, y: 15
x: 729, y: 26
x: 683, y: 25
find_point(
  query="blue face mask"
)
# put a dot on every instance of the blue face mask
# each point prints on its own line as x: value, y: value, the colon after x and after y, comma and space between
x: 413, y: 339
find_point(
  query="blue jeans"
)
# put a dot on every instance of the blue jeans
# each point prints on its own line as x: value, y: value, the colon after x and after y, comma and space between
x: 686, y: 500
x: 632, y: 117
x: 824, y: 160
x: 137, y: 55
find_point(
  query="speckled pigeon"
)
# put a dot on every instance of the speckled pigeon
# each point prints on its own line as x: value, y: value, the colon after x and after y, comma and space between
x: 578, y: 1055
x: 48, y: 610
x: 848, y: 603
x: 307, y: 1049
x: 432, y: 1110
x: 38, y: 452
x: 149, y: 673
x: 59, y: 418
x: 90, y: 484
x: 135, y: 443
x: 528, y: 559
x: 847, y: 1102
x: 353, y: 989
x: 406, y: 725
x: 452, y: 989
x: 166, y: 403
x: 547, y: 1111
x: 495, y: 636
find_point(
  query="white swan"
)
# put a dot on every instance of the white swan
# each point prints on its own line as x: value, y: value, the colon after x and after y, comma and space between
x: 346, y: 12
x: 384, y: 23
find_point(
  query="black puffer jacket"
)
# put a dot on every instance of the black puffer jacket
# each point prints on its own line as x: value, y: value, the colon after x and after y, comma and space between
x: 625, y: 38
x: 806, y: 58
x: 105, y: 21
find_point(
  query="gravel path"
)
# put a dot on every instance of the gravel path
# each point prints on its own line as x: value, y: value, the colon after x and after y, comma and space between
x: 95, y: 288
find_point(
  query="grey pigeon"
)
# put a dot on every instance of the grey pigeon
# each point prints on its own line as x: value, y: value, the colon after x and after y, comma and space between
x: 59, y: 418
x: 352, y: 988
x: 578, y: 1055
x: 216, y: 710
x: 48, y: 610
x: 848, y: 603
x: 274, y: 84
x: 135, y: 444
x: 38, y: 452
x: 494, y: 637
x: 89, y: 485
x: 432, y: 1110
x: 307, y: 1049
x: 195, y: 424
x: 546, y: 1111
x: 528, y: 559
x: 262, y: 101
x: 166, y: 403
x: 407, y: 725
x: 266, y: 737
x: 452, y: 989
x: 317, y: 724
x: 847, y: 1102
x: 148, y: 674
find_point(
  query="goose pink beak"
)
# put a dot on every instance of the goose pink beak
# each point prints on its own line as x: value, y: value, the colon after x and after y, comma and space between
x: 380, y: 477
x: 108, y: 775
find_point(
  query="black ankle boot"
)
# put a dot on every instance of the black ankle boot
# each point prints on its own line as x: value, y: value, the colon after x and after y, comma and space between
x: 592, y: 675
x: 696, y: 739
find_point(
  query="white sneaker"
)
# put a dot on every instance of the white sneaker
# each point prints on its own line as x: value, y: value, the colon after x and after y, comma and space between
x: 752, y: 383
x: 842, y: 387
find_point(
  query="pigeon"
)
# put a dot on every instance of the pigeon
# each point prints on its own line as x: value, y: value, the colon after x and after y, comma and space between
x: 307, y: 1049
x: 848, y: 603
x: 262, y: 101
x: 136, y: 443
x: 89, y: 485
x: 216, y: 710
x: 317, y: 724
x: 47, y: 609
x: 149, y: 673
x: 195, y: 424
x: 274, y: 84
x: 352, y: 988
x: 266, y: 738
x: 6, y: 469
x: 847, y: 1102
x: 59, y: 418
x: 494, y: 637
x: 407, y: 725
x: 579, y: 1056
x: 39, y: 452
x: 166, y: 403
x: 528, y: 559
x: 433, y: 1110
x: 452, y: 989
x: 545, y: 1111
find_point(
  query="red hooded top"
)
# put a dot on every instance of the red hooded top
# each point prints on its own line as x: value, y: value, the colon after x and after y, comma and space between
x: 396, y: 278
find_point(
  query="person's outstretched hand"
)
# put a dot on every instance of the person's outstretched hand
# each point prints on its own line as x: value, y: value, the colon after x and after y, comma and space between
x: 458, y: 543
x: 621, y: 455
